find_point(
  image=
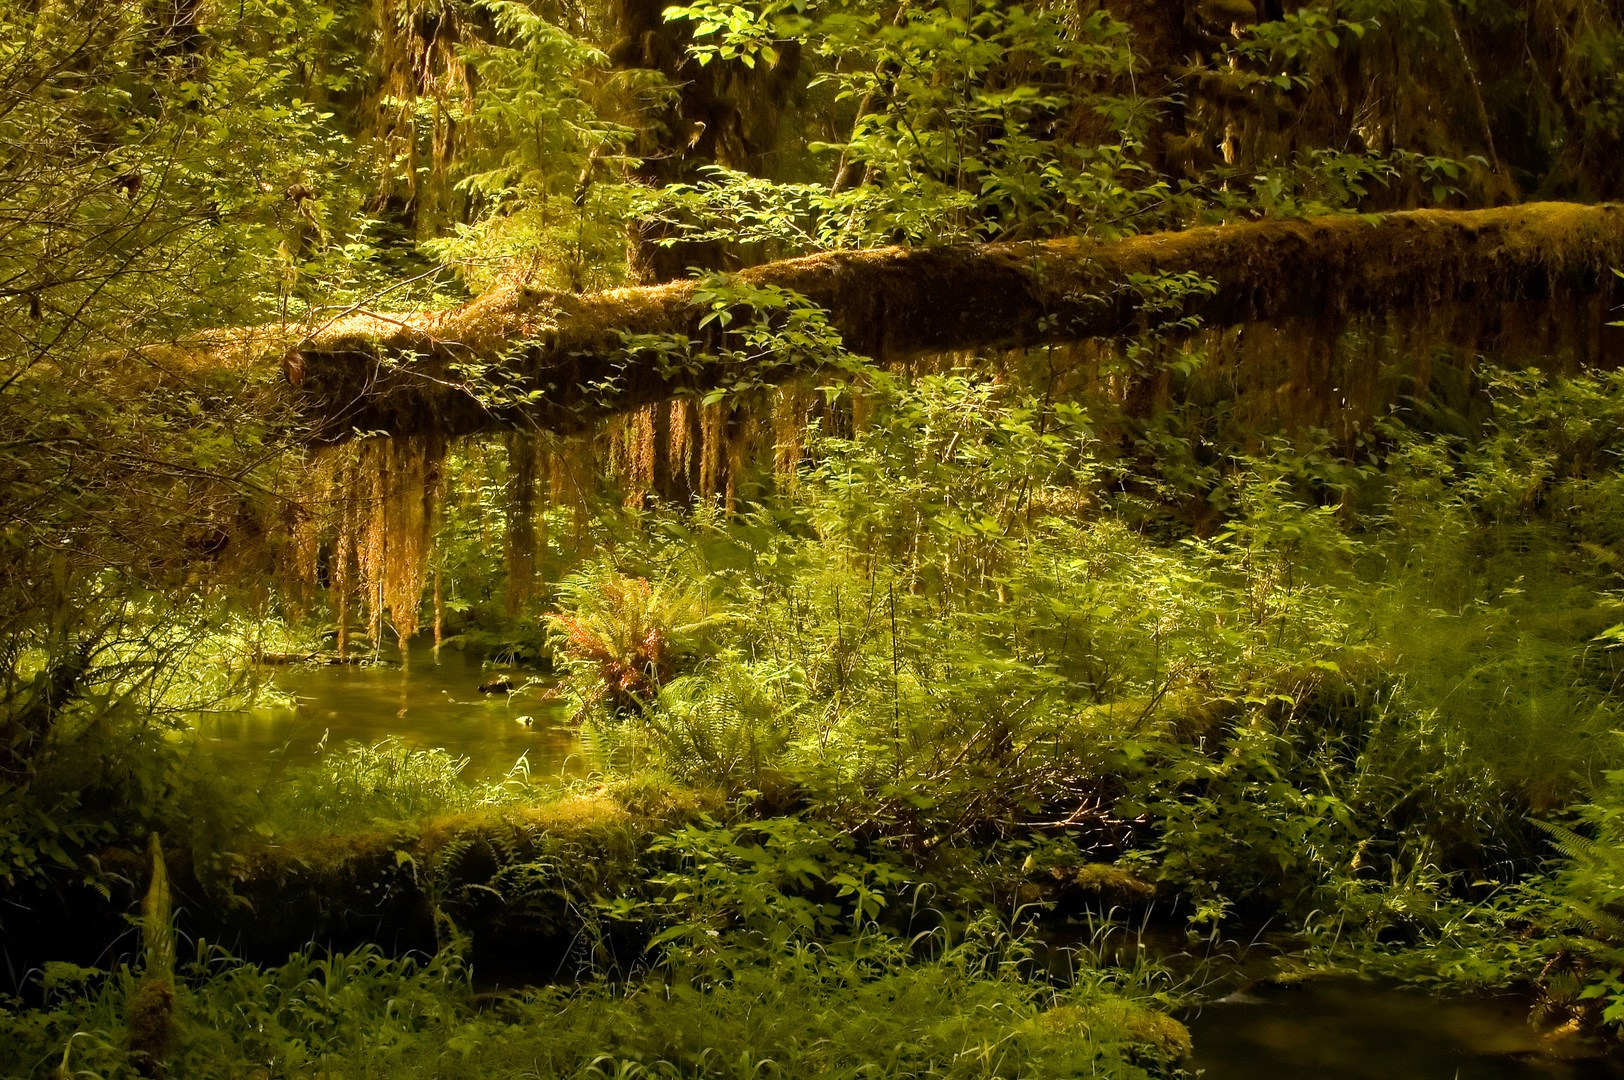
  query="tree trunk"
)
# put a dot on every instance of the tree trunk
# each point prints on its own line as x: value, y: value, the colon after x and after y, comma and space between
x: 518, y: 357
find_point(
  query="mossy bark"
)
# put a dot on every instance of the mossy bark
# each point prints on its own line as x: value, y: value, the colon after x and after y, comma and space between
x: 524, y: 358
x: 151, y: 1013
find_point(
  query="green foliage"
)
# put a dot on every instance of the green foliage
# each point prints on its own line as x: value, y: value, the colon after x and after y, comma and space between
x: 1294, y: 43
x: 751, y: 335
x: 619, y: 639
x: 949, y: 633
x: 977, y: 121
x: 729, y: 723
x: 145, y: 196
x: 768, y: 957
x: 356, y: 788
x: 1586, y: 888
x: 314, y: 1014
x: 541, y: 162
x: 981, y: 626
x: 750, y: 35
x: 953, y: 112
x: 741, y: 893
x: 965, y: 1012
x: 945, y: 476
x: 1291, y: 62
x: 951, y: 647
x: 530, y: 882
x: 97, y: 748
x: 968, y: 94
x: 1240, y: 826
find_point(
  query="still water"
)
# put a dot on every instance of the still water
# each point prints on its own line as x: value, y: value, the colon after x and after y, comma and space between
x: 1345, y: 1029
x: 423, y: 702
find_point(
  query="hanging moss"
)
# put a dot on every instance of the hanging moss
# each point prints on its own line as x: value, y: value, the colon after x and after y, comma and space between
x: 421, y: 56
x: 396, y: 482
x: 792, y: 405
x: 374, y: 504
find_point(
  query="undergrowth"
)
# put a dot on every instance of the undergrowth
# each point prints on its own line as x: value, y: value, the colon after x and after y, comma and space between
x: 969, y: 664
x: 1342, y: 702
x: 357, y: 787
x: 936, y: 1005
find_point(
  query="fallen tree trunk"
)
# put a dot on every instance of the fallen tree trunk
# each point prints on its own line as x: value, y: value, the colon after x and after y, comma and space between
x: 524, y: 358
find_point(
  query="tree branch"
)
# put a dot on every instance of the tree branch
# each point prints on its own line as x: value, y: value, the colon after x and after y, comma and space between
x: 521, y: 357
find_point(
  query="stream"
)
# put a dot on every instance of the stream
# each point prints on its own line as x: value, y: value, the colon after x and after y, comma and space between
x: 425, y: 702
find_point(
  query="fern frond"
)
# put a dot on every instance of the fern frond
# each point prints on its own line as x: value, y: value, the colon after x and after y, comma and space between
x: 1582, y: 849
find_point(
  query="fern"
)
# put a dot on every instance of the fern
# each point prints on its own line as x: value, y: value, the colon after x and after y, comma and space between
x: 619, y: 639
x: 728, y: 723
x: 1587, y: 887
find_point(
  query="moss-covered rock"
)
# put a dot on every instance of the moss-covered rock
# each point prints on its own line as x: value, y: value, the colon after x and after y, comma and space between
x: 1153, y: 1037
x: 151, y: 1020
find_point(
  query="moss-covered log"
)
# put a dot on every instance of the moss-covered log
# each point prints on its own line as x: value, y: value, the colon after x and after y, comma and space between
x: 521, y: 879
x: 519, y: 357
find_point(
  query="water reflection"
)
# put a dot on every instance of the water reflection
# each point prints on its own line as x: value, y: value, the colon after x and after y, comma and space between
x: 421, y: 702
x: 1351, y: 1030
